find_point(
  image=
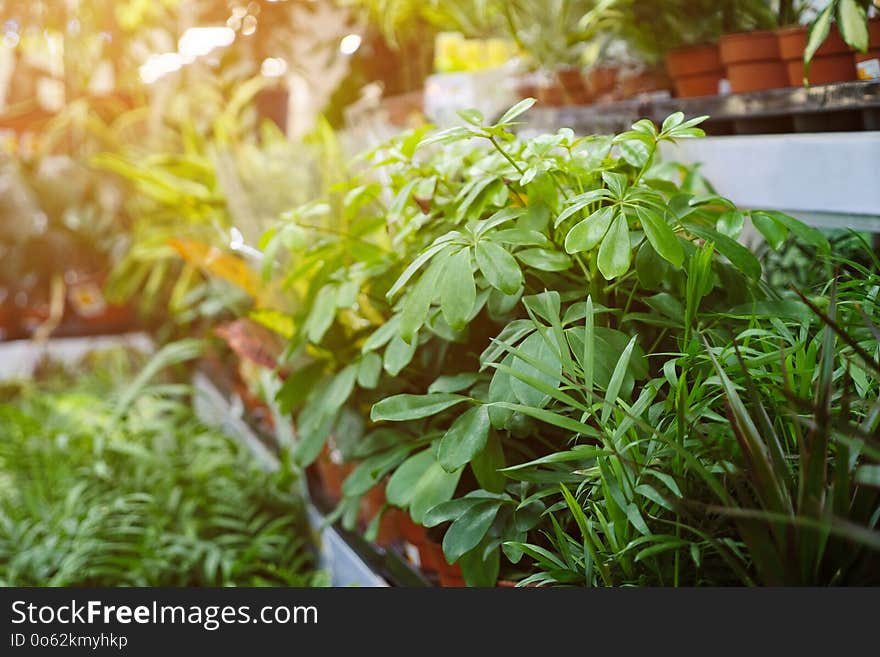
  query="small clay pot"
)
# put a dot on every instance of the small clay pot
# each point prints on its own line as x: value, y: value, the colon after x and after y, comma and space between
x: 873, y: 43
x: 551, y: 94
x: 752, y: 61
x: 332, y: 473
x: 602, y: 80
x: 832, y: 62
x: 695, y: 70
x: 694, y: 60
x: 644, y: 82
x: 372, y: 503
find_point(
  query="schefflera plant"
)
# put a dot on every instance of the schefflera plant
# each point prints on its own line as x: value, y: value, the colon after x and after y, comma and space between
x: 477, y: 241
x: 543, y: 235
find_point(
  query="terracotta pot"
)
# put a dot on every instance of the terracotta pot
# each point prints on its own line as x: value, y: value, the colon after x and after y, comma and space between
x: 873, y: 46
x: 432, y: 558
x: 693, y: 60
x: 696, y: 70
x: 644, y: 82
x: 372, y: 503
x: 570, y: 78
x: 832, y: 62
x: 332, y: 472
x: 410, y: 531
x: 551, y: 94
x: 602, y: 80
x: 752, y: 61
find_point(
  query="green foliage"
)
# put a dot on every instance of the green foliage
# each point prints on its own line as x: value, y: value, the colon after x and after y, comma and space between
x: 524, y: 322
x: 152, y: 499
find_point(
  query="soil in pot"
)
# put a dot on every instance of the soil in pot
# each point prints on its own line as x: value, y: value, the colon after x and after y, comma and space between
x: 752, y: 61
x: 695, y: 70
x: 832, y: 62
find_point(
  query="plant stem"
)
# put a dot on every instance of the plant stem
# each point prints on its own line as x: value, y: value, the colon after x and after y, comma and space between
x: 506, y: 155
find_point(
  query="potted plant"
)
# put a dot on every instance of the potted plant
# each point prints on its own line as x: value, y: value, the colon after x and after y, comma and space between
x: 821, y: 53
x: 751, y: 56
x: 429, y: 313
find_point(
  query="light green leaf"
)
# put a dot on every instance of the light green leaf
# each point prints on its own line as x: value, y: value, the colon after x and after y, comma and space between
x: 661, y: 236
x: 458, y: 291
x: 498, y: 266
x: 588, y: 233
x: 401, y: 408
x: 465, y: 438
x: 615, y: 252
x: 853, y: 24
x: 468, y: 530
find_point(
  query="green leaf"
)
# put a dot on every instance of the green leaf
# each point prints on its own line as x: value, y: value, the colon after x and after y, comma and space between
x: 478, y: 571
x: 453, y: 383
x: 369, y: 472
x: 739, y: 256
x: 522, y: 106
x: 468, y: 530
x: 415, y: 265
x: 398, y: 354
x: 465, y: 438
x: 673, y: 120
x: 418, y: 302
x: 730, y: 223
x: 772, y: 231
x: 458, y: 291
x: 799, y: 229
x: 402, y: 484
x: 369, y: 370
x: 661, y: 236
x: 616, y: 183
x: 472, y: 116
x: 498, y: 266
x: 615, y: 252
x: 433, y: 487
x: 853, y: 24
x: 401, y: 408
x: 819, y: 30
x: 536, y: 347
x: 586, y: 234
x: 487, y: 465
x: 544, y: 259
x: 322, y: 314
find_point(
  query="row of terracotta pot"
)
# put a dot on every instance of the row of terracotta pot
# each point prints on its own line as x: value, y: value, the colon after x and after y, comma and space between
x: 571, y: 86
x: 756, y: 61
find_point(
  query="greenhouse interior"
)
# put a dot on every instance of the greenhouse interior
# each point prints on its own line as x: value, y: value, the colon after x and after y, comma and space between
x: 411, y: 293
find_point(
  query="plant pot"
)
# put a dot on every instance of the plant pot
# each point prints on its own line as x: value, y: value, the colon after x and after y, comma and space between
x: 873, y: 52
x: 644, y: 82
x: 572, y: 81
x: 752, y: 61
x: 372, y: 503
x: 332, y: 471
x: 832, y: 62
x: 602, y: 80
x: 432, y: 558
x: 551, y: 94
x: 696, y: 70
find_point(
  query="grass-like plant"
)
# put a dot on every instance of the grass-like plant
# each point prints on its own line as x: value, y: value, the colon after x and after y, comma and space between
x: 103, y: 484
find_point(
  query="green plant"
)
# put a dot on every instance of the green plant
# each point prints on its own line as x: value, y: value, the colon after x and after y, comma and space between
x: 852, y: 21
x: 106, y: 488
x: 452, y: 301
